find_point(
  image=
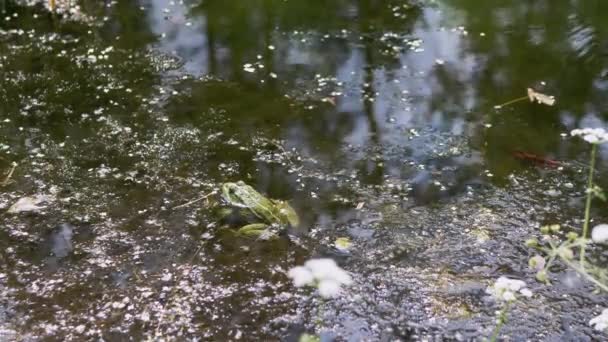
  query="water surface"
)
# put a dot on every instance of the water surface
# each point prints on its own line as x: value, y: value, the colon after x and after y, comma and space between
x: 123, y: 111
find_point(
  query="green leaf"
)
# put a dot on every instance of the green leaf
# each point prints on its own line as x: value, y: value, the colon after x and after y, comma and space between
x: 343, y: 243
x: 598, y: 192
x: 309, y: 338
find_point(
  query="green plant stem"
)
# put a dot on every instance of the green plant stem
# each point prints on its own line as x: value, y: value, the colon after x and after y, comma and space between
x: 588, y: 203
x: 194, y: 201
x: 550, y: 261
x: 502, y: 319
x: 581, y: 270
x: 511, y: 102
x: 319, y: 318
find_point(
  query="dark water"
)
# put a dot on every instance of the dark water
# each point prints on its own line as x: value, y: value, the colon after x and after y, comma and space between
x: 122, y: 111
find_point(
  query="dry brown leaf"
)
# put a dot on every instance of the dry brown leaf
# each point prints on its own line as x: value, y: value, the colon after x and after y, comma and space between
x: 540, y: 98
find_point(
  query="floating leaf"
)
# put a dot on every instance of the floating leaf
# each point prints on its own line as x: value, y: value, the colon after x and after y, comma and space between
x: 308, y: 338
x: 343, y: 244
x: 540, y: 98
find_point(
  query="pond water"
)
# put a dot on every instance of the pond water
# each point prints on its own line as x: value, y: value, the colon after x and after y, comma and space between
x: 376, y: 120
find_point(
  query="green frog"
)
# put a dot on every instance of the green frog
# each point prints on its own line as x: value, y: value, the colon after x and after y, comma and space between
x: 261, y: 213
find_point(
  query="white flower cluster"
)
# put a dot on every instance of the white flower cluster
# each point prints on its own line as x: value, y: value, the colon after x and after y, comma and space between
x: 600, y: 323
x: 591, y: 135
x: 325, y: 274
x: 505, y: 289
x: 599, y: 233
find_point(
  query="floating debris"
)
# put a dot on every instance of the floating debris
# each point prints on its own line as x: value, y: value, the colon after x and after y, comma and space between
x: 533, y: 96
x: 29, y: 204
x: 540, y: 98
x: 526, y: 156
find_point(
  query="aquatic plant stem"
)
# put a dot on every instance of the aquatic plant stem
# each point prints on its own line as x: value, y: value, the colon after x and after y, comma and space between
x: 502, y: 319
x: 320, y: 313
x: 7, y: 180
x: 511, y: 102
x: 588, y: 203
x: 581, y: 270
x: 196, y: 200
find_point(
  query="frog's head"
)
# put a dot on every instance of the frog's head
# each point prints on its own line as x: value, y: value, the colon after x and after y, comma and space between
x: 233, y: 192
x: 229, y: 191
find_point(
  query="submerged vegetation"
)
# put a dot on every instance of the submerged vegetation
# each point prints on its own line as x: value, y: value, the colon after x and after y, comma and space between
x: 303, y: 171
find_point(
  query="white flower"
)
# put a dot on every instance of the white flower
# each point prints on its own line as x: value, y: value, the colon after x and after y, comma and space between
x: 327, y: 269
x: 591, y: 135
x: 526, y: 292
x: 321, y: 268
x: 600, y: 233
x: 325, y: 274
x: 508, y: 296
x: 506, y: 290
x: 329, y: 288
x: 600, y: 323
x: 301, y: 276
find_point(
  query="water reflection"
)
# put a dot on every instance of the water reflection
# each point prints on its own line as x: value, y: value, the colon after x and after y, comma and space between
x: 361, y: 79
x: 465, y: 64
x: 352, y: 84
x: 58, y: 245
